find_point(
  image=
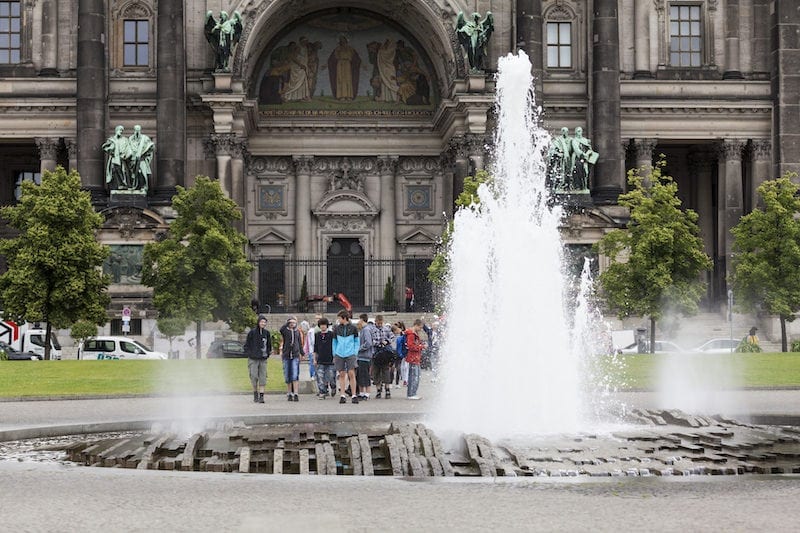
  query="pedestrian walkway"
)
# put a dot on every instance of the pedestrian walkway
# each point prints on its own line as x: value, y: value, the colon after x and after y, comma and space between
x: 28, y: 419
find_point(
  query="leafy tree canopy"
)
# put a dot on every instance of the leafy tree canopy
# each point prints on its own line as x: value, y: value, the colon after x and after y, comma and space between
x: 657, y: 260
x: 54, y: 265
x: 200, y: 269
x: 766, y: 258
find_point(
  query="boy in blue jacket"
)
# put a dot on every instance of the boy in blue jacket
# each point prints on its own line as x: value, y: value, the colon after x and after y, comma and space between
x: 345, y: 354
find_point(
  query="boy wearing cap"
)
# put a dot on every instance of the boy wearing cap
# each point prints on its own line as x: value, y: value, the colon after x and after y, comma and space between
x: 291, y: 351
x: 258, y: 346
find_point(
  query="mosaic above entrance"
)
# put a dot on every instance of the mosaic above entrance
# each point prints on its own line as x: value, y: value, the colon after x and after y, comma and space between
x: 345, y: 63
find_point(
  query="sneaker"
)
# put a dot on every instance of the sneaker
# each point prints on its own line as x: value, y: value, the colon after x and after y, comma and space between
x: 363, y: 398
x: 333, y: 392
x: 289, y: 398
x: 296, y: 398
x: 342, y: 400
x: 388, y: 394
x: 378, y: 395
x: 412, y: 397
x: 322, y: 396
x: 355, y: 399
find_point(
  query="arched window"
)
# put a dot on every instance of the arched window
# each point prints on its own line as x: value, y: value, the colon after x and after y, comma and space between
x: 562, y: 38
x: 133, y: 35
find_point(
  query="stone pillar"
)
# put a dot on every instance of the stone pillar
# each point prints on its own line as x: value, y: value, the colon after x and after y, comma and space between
x: 458, y: 149
x: 72, y: 153
x: 641, y: 21
x: 91, y: 95
x: 49, y: 38
x: 785, y: 77
x: 530, y: 28
x: 732, y: 68
x: 170, y: 100
x: 48, y: 153
x: 761, y: 25
x: 605, y: 135
x: 447, y: 164
x: 762, y: 164
x: 238, y: 152
x: 731, y: 200
x: 477, y: 152
x: 223, y: 144
x: 387, y: 166
x: 302, y: 211
x: 644, y: 153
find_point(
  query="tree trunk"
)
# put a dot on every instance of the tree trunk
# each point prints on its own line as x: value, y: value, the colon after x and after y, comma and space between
x: 783, y: 334
x: 652, y: 335
x: 47, y: 334
x: 198, y: 332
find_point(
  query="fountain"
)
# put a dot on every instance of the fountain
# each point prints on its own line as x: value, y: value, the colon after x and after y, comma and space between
x: 509, y: 368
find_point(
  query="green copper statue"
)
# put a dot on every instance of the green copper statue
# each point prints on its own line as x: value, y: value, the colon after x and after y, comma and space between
x: 223, y: 35
x: 128, y: 164
x: 568, y: 160
x: 474, y: 36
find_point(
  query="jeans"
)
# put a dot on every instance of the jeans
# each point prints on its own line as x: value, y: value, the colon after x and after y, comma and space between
x: 413, y: 379
x: 291, y: 369
x: 326, y: 377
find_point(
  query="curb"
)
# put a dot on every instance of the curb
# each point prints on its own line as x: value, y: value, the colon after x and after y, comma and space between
x: 143, y: 425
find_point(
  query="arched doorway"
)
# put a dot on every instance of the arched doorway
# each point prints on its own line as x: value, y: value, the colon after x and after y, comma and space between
x: 346, y: 270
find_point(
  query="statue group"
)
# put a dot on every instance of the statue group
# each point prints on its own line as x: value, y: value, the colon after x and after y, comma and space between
x: 222, y: 35
x: 128, y: 160
x: 568, y: 161
x: 474, y: 36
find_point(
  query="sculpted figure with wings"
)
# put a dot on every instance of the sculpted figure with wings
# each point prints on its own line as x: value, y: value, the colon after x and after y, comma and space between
x: 474, y: 36
x: 223, y: 35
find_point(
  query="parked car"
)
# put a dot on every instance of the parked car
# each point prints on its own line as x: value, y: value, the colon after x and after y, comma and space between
x: 661, y: 347
x: 718, y: 346
x: 14, y: 355
x: 96, y: 348
x: 226, y: 349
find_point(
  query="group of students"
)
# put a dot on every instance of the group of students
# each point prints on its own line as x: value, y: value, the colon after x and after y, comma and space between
x: 346, y: 358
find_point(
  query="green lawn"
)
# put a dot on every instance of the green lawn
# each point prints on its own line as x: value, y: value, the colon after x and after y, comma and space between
x: 70, y: 378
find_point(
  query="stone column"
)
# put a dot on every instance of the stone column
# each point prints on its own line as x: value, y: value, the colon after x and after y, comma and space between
x: 644, y: 153
x: 730, y: 188
x: 530, y: 28
x: 447, y: 164
x: 762, y: 164
x: 72, y: 153
x: 170, y: 100
x: 641, y: 56
x: 609, y: 172
x: 785, y: 77
x: 49, y: 38
x: 458, y: 149
x: 238, y: 152
x: 732, y: 68
x: 302, y: 211
x: 91, y: 95
x: 48, y: 153
x: 761, y: 24
x: 387, y: 167
x: 477, y: 152
x: 223, y: 143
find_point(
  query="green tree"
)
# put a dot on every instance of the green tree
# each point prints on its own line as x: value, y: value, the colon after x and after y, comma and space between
x: 389, y: 303
x: 200, y: 270
x: 54, y: 265
x: 439, y: 267
x: 656, y: 262
x: 172, y: 327
x: 765, y: 266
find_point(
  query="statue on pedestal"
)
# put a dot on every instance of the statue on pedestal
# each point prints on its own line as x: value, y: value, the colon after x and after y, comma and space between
x: 474, y: 36
x: 223, y: 35
x: 141, y: 149
x: 568, y: 160
x: 116, y: 147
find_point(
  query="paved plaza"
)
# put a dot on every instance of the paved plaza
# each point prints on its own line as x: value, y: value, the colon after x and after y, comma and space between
x: 47, y: 496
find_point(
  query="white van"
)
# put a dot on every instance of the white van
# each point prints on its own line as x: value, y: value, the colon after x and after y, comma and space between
x: 100, y: 348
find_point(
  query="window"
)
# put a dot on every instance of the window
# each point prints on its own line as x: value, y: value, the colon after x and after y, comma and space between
x: 559, y: 45
x: 684, y: 36
x: 136, y: 43
x: 10, y: 24
x: 22, y: 176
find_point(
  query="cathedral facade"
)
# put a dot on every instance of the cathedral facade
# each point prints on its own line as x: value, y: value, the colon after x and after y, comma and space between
x: 344, y: 129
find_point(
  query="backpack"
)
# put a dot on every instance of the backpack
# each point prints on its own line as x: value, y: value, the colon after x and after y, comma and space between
x: 402, y: 347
